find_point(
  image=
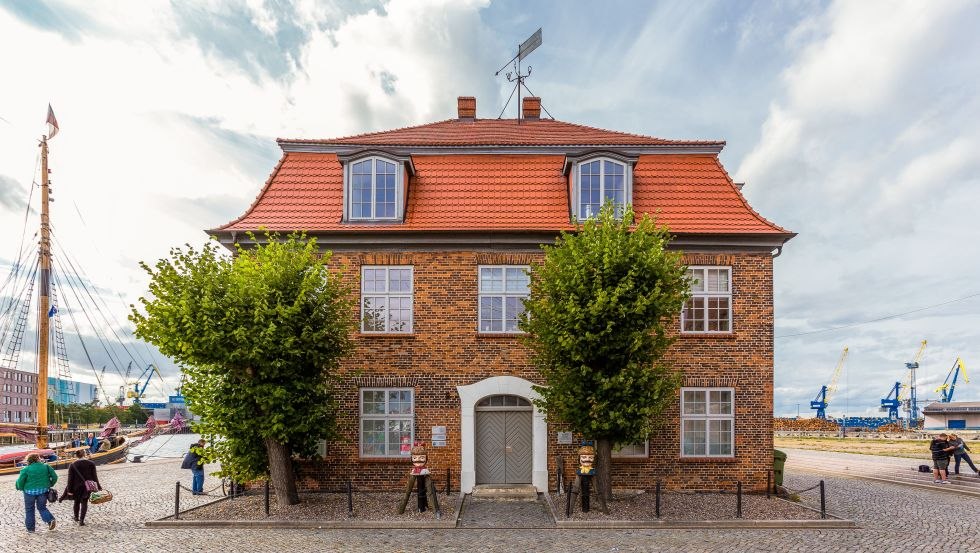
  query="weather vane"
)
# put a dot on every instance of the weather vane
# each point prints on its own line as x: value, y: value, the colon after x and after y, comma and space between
x: 516, y: 76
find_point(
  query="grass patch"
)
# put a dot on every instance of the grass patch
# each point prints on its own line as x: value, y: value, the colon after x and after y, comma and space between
x: 913, y: 449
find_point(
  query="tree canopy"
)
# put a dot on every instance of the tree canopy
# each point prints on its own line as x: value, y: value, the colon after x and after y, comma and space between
x: 259, y: 336
x: 595, y: 323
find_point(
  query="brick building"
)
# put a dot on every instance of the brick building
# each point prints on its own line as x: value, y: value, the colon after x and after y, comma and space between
x: 435, y: 226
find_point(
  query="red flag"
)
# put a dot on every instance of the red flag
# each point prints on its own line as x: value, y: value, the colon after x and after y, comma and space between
x: 52, y: 123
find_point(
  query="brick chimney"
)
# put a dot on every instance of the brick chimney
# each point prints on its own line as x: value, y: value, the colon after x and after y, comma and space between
x: 466, y: 107
x: 531, y: 107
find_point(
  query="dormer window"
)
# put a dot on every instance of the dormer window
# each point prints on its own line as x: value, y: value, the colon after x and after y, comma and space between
x: 375, y: 186
x: 598, y: 179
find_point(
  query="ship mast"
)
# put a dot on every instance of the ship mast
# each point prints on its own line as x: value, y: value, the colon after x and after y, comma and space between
x: 44, y: 253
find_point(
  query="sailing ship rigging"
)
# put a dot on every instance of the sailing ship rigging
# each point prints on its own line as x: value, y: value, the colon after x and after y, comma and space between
x: 60, y: 287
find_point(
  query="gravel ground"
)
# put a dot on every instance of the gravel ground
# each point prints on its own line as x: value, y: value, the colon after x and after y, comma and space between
x: 322, y: 506
x: 683, y: 506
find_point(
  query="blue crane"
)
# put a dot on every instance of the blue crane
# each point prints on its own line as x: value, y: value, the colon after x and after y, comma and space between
x: 822, y: 400
x: 913, y: 401
x: 893, y: 401
x: 137, y: 392
x: 949, y: 387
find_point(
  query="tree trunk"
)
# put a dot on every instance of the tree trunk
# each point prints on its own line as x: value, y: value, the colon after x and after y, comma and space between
x: 603, y: 466
x: 281, y: 472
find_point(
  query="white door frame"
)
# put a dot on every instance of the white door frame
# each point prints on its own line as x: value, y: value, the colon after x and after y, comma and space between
x: 469, y: 396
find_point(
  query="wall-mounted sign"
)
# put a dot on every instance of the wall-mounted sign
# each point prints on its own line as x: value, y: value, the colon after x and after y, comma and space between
x: 565, y: 438
x: 438, y: 436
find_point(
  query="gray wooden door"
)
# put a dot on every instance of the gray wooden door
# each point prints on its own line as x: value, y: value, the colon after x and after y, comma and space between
x: 503, y: 443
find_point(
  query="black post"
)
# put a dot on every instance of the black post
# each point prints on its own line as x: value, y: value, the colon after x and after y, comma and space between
x: 267, y: 497
x: 559, y: 474
x: 823, y: 502
x: 449, y: 480
x: 350, y: 498
x: 658, y: 498
x: 177, y: 502
x: 568, y: 503
x: 768, y: 484
x: 738, y: 499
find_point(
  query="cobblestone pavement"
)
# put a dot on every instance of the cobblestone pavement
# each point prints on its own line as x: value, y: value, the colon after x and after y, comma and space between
x: 893, y: 518
x: 499, y: 513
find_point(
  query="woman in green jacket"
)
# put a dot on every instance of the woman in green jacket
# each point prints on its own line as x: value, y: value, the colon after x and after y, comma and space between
x: 35, y: 479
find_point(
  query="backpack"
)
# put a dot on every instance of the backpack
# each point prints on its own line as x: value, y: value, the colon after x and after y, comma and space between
x: 924, y: 468
x: 190, y: 460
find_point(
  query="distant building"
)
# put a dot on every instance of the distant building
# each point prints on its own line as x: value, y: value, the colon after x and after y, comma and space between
x: 955, y: 415
x: 71, y: 391
x: 18, y: 390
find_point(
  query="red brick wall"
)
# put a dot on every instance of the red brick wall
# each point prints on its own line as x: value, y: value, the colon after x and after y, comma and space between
x: 445, y: 350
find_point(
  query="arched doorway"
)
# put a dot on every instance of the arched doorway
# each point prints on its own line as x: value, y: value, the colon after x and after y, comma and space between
x: 504, y: 449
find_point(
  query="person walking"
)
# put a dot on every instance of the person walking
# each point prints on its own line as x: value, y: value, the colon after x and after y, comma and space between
x: 194, y: 460
x: 960, y: 454
x: 82, y: 481
x: 35, y: 480
x: 940, y: 448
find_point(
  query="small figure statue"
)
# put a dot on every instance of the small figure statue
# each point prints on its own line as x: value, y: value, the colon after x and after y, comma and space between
x: 419, y: 477
x: 584, y: 473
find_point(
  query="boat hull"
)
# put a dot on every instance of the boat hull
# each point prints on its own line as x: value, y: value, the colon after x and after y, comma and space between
x: 110, y: 457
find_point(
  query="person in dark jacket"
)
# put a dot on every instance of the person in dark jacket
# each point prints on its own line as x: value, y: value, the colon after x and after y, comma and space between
x: 960, y: 453
x: 194, y: 460
x: 80, y: 471
x: 940, y: 448
x: 34, y: 480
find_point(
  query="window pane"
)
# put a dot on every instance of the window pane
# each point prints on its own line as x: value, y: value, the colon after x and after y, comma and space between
x: 372, y: 437
x: 400, y: 402
x: 717, y: 314
x: 589, y: 190
x: 491, y: 279
x: 694, y: 437
x: 373, y: 280
x: 698, y: 276
x: 517, y: 280
x: 694, y: 315
x: 399, y: 431
x: 399, y: 314
x: 491, y: 314
x: 717, y: 280
x: 400, y: 280
x: 373, y: 402
x: 515, y: 307
x: 720, y: 402
x: 694, y: 402
x: 374, y: 308
x: 720, y: 437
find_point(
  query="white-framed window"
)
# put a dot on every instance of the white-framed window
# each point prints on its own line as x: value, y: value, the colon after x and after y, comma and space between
x: 601, y: 180
x: 502, y: 291
x: 387, y: 422
x: 710, y: 306
x: 386, y: 299
x: 637, y: 450
x: 373, y: 188
x: 707, y: 422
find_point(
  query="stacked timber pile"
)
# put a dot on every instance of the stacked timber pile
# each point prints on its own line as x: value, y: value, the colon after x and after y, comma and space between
x: 804, y: 425
x: 891, y: 427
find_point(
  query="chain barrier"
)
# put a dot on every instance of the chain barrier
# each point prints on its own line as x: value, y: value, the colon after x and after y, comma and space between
x: 796, y: 492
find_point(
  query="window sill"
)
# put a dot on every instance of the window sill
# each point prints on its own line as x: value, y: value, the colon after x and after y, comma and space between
x: 500, y: 334
x: 709, y: 335
x: 637, y: 459
x: 708, y: 459
x: 410, y: 335
x: 385, y: 460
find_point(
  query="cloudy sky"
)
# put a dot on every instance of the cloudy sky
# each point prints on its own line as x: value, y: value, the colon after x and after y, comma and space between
x: 854, y: 124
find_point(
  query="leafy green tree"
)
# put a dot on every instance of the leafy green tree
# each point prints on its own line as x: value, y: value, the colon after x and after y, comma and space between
x: 595, y: 323
x: 259, y: 336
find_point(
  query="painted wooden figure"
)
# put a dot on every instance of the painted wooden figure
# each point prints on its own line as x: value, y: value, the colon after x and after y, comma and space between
x: 420, y: 478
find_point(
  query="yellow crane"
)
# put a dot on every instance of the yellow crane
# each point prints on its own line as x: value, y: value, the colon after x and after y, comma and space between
x: 823, y: 398
x: 949, y: 386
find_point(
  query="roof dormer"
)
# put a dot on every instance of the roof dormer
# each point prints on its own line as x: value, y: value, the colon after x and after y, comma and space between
x: 597, y: 177
x: 375, y: 186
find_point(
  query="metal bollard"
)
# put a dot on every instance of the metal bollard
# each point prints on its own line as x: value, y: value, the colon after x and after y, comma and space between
x: 823, y: 502
x: 350, y: 498
x: 658, y: 499
x: 177, y: 502
x: 449, y: 480
x: 738, y: 499
x: 267, y: 498
x: 768, y: 484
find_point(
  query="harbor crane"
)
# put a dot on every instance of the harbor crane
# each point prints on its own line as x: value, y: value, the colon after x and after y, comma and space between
x: 912, y: 403
x: 949, y: 386
x: 137, y: 392
x: 893, y: 401
x: 823, y: 398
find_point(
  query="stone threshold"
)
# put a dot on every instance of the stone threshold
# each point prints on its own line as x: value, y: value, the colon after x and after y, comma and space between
x: 832, y: 521
x: 350, y: 524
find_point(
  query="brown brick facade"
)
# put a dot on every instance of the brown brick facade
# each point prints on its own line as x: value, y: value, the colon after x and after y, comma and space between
x: 445, y: 351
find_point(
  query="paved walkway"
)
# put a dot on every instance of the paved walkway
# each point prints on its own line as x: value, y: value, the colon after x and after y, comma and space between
x: 894, y: 518
x: 505, y: 513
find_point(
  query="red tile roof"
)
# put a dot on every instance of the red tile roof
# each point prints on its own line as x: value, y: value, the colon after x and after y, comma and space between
x: 503, y: 132
x: 525, y: 192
